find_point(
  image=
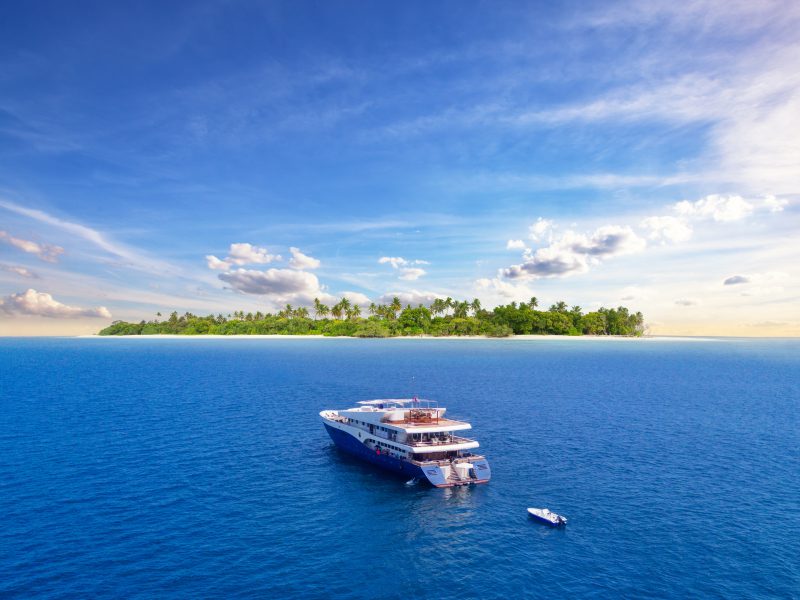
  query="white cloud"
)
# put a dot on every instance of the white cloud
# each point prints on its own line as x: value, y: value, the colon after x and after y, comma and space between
x: 515, y: 245
x: 277, y: 283
x: 241, y: 254
x: 302, y: 261
x: 356, y: 298
x: 216, y: 263
x: 667, y: 229
x: 717, y: 207
x: 574, y: 253
x: 411, y: 273
x: 413, y: 297
x: 773, y: 204
x: 247, y: 254
x: 46, y: 252
x: 40, y: 304
x: 538, y: 230
x: 501, y: 287
x: 21, y: 271
x: 405, y: 268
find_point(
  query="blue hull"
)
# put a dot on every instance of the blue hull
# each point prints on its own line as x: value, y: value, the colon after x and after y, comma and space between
x: 351, y: 445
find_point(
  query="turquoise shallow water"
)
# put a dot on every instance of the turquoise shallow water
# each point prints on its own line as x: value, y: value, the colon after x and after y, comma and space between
x: 198, y: 468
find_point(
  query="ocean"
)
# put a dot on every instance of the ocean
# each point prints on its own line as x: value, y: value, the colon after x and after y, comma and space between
x: 198, y: 468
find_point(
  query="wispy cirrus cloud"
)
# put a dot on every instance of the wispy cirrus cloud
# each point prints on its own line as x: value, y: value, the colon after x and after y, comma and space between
x: 127, y: 256
x: 21, y: 271
x: 46, y: 252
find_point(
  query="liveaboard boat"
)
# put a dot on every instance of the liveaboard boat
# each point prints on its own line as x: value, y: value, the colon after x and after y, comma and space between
x: 411, y: 437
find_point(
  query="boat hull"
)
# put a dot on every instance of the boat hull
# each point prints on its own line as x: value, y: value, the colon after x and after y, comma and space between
x: 432, y: 474
x: 546, y: 521
x: 354, y: 446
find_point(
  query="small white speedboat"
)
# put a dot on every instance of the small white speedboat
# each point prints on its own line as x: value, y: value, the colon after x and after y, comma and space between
x: 543, y: 515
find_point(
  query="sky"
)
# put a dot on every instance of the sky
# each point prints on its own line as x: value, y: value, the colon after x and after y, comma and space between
x: 220, y: 156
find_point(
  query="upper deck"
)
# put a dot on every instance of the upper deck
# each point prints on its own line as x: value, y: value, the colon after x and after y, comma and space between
x: 405, y: 415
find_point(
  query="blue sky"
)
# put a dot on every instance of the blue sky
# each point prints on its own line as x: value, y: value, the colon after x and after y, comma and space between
x: 620, y: 153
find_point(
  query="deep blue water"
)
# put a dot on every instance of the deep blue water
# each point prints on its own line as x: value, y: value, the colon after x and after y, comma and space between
x: 198, y: 468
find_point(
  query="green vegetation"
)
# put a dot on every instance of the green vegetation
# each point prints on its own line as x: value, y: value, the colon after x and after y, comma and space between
x: 444, y: 318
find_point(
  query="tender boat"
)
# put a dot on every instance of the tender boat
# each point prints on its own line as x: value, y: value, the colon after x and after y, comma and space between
x: 411, y: 437
x: 543, y: 515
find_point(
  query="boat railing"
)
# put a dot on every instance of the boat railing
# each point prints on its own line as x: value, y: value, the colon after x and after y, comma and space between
x: 439, y: 441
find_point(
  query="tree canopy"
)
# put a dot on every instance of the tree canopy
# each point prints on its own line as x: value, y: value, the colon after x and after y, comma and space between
x: 444, y: 317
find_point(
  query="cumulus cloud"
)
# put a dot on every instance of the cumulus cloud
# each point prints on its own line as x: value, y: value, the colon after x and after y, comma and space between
x: 45, y: 252
x: 356, y: 298
x: 538, y: 230
x: 302, y: 261
x: 21, y: 271
x: 502, y: 287
x: 515, y: 245
x: 667, y: 229
x: 217, y: 264
x: 278, y: 283
x: 241, y: 254
x: 773, y: 204
x: 40, y: 304
x: 247, y: 254
x: 736, y: 280
x: 404, y: 267
x: 574, y: 253
x: 413, y: 297
x: 411, y: 273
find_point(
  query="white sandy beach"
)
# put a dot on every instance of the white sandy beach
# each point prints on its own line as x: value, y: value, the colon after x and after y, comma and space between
x: 513, y: 338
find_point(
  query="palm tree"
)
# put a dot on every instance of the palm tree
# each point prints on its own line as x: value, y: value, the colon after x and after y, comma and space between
x: 356, y: 312
x: 336, y: 311
x: 475, y: 306
x: 396, y: 306
x: 373, y: 309
x: 317, y: 305
x: 460, y: 309
x: 346, y: 307
x: 559, y: 307
x: 322, y: 310
x: 448, y: 304
x: 301, y: 312
x: 534, y: 302
x: 437, y: 306
x: 289, y: 311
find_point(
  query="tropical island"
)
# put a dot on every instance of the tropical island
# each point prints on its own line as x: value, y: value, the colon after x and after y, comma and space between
x: 444, y: 317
